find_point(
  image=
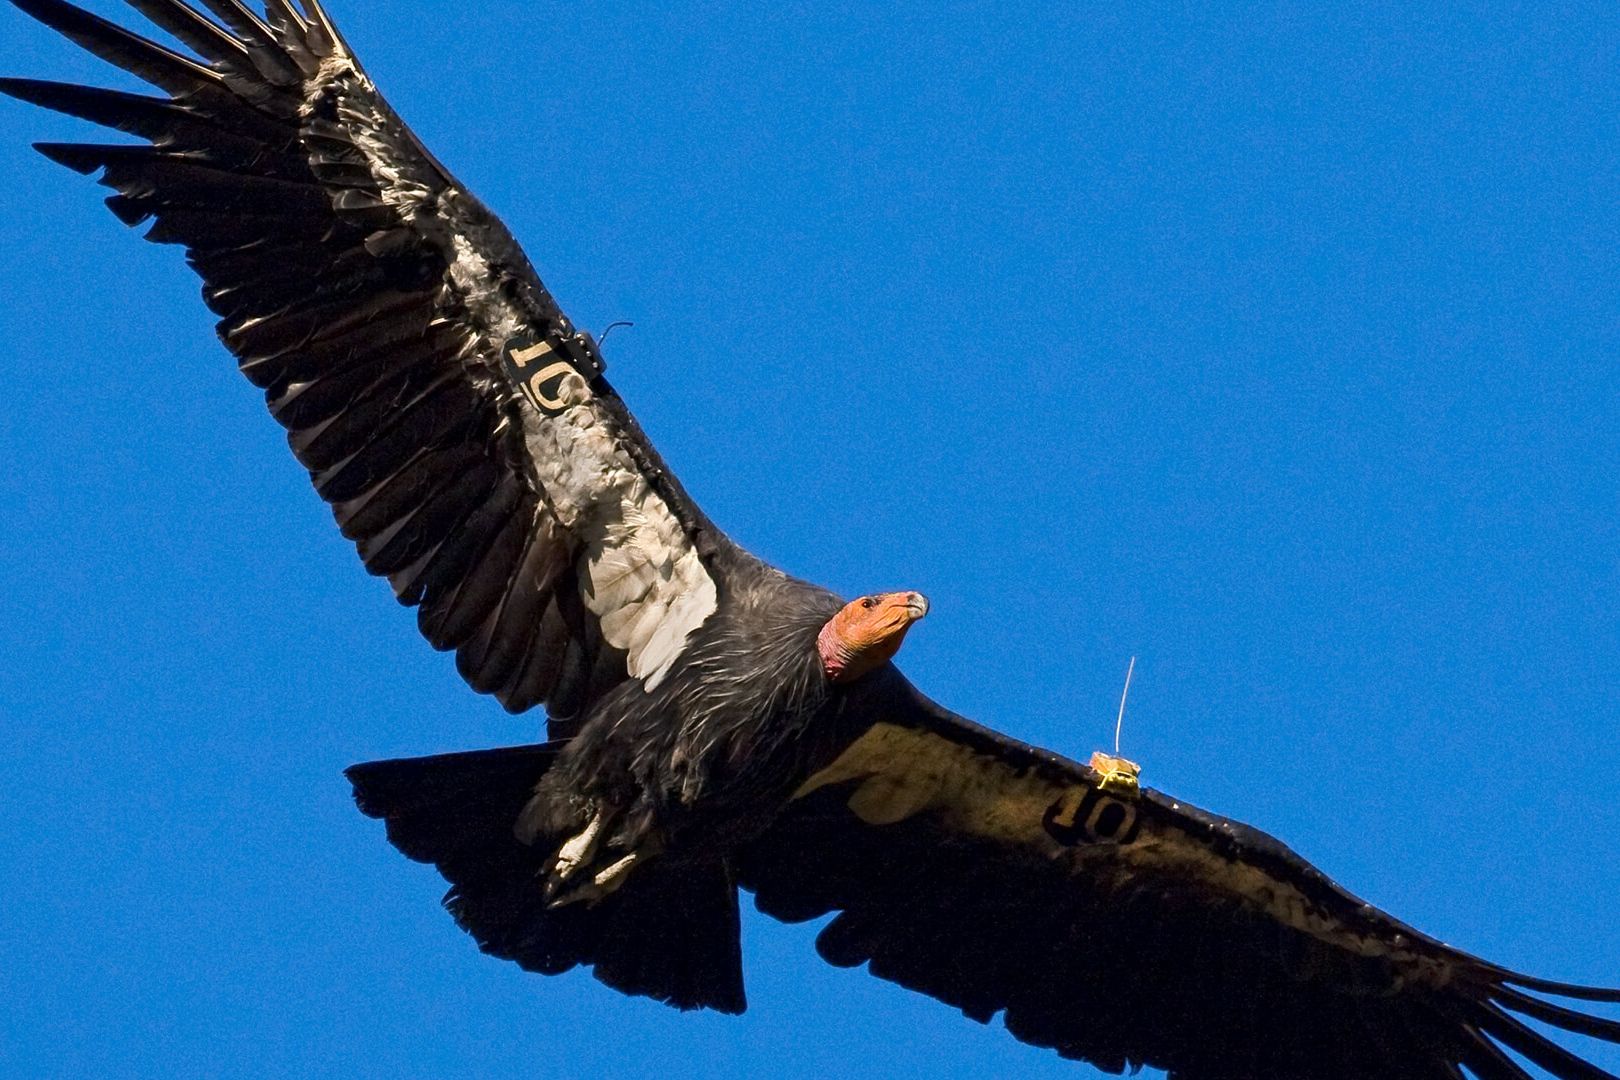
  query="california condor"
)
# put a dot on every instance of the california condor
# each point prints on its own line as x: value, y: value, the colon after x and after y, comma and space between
x: 713, y: 723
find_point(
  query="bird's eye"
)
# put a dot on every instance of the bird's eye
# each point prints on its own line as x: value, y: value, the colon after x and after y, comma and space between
x: 869, y: 602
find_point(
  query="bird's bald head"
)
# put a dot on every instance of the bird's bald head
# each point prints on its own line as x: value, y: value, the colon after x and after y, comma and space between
x: 867, y: 632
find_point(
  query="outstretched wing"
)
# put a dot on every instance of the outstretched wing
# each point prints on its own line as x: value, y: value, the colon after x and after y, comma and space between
x: 1126, y: 930
x: 446, y: 409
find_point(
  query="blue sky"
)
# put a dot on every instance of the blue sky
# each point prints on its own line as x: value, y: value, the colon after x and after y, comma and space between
x: 1278, y: 351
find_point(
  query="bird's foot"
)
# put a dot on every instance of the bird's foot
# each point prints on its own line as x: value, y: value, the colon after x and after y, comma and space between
x: 578, y: 850
x: 601, y: 884
x: 1116, y: 775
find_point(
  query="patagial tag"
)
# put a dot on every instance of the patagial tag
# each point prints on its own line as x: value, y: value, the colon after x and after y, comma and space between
x: 540, y: 366
x: 1085, y: 815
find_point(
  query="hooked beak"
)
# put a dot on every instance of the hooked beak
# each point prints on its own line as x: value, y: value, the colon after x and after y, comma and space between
x: 916, y: 605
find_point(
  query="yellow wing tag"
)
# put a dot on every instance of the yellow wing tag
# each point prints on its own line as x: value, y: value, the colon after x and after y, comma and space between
x: 540, y: 367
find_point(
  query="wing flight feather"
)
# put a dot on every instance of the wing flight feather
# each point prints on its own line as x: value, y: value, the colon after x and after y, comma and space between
x: 378, y: 304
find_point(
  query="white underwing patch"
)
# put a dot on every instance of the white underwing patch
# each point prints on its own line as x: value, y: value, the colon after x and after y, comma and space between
x: 640, y: 574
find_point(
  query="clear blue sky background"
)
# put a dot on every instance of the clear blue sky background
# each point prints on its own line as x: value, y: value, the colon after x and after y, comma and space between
x: 1277, y: 350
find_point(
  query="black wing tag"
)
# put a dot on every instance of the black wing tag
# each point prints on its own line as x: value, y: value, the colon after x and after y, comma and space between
x: 1087, y: 816
x: 540, y: 365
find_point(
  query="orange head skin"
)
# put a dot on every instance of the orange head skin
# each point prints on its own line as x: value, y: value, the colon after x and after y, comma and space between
x: 867, y: 632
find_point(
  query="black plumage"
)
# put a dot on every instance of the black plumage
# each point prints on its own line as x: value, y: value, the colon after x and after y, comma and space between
x: 705, y: 735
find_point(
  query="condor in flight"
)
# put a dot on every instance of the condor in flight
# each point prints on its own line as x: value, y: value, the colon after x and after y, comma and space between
x: 714, y: 723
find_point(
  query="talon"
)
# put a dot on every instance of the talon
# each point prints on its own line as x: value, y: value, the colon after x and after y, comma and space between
x: 605, y: 882
x: 1116, y: 775
x: 578, y: 850
x: 612, y: 877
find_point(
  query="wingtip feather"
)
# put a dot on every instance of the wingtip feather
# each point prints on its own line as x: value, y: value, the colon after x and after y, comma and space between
x: 148, y: 60
x: 1596, y: 1027
x: 321, y: 23
x: 1556, y: 1060
x: 147, y: 117
x: 1560, y: 989
x: 196, y: 30
x: 76, y: 156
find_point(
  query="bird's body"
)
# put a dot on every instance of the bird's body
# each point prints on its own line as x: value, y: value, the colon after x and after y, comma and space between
x: 713, y: 722
x: 717, y: 746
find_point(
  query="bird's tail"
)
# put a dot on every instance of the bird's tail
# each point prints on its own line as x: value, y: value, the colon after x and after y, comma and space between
x: 670, y: 932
